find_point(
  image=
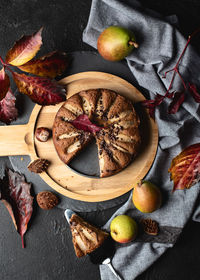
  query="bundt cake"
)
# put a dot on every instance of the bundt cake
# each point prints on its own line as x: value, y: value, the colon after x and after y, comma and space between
x: 118, y: 140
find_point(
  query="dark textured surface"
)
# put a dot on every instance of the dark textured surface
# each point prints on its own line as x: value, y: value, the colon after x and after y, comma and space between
x: 49, y: 252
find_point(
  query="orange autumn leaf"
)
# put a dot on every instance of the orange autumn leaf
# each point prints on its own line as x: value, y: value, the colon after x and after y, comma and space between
x: 50, y: 65
x: 185, y: 168
x: 4, y: 83
x: 24, y: 49
x: 42, y: 91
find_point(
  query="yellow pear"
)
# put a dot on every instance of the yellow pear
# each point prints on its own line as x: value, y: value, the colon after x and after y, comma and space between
x: 146, y: 197
x: 116, y: 42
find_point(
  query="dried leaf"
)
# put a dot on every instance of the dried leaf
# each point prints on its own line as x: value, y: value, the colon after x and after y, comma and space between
x: 185, y: 168
x: 41, y: 90
x: 50, y: 66
x: 15, y: 194
x: 159, y: 99
x: 4, y: 83
x: 170, y: 94
x: 10, y: 211
x: 195, y: 94
x: 8, y: 111
x: 83, y: 122
x: 24, y: 49
x: 4, y: 195
x: 150, y: 105
x: 152, y: 112
x: 178, y: 99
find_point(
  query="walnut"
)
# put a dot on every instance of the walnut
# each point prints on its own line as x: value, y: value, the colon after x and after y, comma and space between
x: 38, y: 165
x: 150, y: 226
x: 46, y: 200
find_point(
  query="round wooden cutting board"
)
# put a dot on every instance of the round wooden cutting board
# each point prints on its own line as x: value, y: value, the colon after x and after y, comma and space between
x: 19, y: 140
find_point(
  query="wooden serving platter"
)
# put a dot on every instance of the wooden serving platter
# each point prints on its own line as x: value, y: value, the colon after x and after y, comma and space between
x: 20, y: 140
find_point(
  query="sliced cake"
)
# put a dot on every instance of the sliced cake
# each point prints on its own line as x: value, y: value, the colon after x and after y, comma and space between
x: 85, y: 237
x: 118, y: 140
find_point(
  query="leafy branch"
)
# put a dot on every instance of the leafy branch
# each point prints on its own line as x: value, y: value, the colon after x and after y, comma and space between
x: 177, y: 97
x: 40, y: 88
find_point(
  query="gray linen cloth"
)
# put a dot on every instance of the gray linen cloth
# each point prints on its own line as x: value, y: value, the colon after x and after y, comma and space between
x: 160, y: 46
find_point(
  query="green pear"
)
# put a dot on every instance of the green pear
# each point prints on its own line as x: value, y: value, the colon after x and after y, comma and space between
x: 146, y: 197
x: 123, y: 229
x: 115, y: 43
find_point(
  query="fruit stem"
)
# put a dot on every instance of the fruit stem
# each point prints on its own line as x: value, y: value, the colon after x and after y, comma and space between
x: 133, y: 44
x: 139, y: 184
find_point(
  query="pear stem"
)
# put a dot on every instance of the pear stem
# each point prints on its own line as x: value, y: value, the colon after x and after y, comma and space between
x: 139, y: 184
x: 133, y: 44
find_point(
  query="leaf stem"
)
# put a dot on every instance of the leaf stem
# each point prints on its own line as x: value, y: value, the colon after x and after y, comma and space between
x: 2, y: 62
x: 22, y: 238
x: 175, y: 69
x: 183, y: 82
x: 11, y: 71
x: 164, y: 76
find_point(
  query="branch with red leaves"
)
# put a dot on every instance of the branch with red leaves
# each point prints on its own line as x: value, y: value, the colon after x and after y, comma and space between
x: 42, y: 90
x: 177, y: 97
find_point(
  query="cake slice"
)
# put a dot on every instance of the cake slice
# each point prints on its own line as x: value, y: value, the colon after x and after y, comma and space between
x: 89, y: 100
x: 85, y: 237
x: 107, y: 164
x: 67, y: 139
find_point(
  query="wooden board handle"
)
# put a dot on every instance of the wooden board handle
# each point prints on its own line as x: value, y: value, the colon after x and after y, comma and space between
x: 14, y: 140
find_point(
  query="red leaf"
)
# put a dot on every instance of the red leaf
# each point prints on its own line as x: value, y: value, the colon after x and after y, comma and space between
x: 24, y: 49
x: 82, y: 122
x: 152, y: 112
x: 159, y: 99
x: 15, y: 194
x: 185, y: 168
x: 4, y: 83
x: 148, y: 103
x: 170, y: 94
x: 194, y: 93
x: 8, y: 111
x: 51, y: 65
x: 41, y: 90
x: 178, y: 99
x: 151, y: 104
x: 10, y: 211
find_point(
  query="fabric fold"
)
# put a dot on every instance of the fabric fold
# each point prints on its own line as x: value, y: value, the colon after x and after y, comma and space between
x: 160, y: 45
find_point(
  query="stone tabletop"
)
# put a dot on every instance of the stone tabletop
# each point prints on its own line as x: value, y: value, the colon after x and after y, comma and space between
x: 49, y: 253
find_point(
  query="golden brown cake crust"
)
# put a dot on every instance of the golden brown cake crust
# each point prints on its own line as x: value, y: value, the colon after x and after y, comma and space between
x: 118, y: 141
